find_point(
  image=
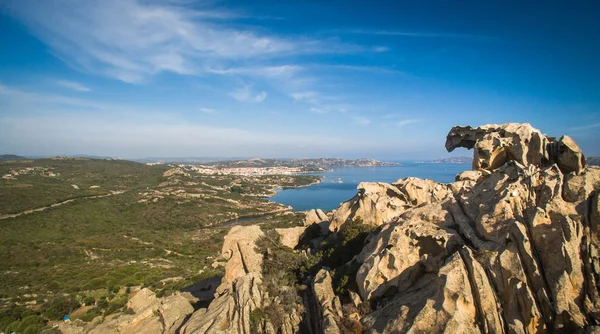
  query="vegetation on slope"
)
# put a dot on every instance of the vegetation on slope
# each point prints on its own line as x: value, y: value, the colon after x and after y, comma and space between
x: 160, y: 230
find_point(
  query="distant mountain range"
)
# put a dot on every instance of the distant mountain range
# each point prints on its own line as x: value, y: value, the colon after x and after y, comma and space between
x: 593, y: 161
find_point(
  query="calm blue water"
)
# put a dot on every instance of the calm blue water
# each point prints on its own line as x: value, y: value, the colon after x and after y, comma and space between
x: 328, y: 195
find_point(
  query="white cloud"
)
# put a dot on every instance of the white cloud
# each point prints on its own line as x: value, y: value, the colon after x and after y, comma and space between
x: 73, y: 85
x: 207, y: 110
x: 131, y: 40
x: 245, y: 94
x: 361, y: 120
x: 586, y: 127
x: 407, y: 122
x: 306, y: 96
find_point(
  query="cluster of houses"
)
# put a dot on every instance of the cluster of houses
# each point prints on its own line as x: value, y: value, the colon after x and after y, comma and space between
x: 43, y: 171
x: 244, y: 171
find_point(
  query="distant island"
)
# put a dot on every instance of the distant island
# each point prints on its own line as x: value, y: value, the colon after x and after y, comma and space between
x: 317, y: 164
x: 451, y: 160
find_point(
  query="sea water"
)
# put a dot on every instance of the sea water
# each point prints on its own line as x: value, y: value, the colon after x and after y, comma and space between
x: 339, y: 184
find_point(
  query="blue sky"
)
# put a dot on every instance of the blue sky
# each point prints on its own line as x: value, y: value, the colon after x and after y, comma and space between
x: 386, y: 80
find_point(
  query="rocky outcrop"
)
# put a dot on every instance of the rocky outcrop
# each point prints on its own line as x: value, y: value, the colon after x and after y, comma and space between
x: 494, y: 145
x: 329, y: 308
x: 403, y: 252
x: 290, y: 237
x: 512, y: 246
x: 150, y: 315
x: 239, y: 293
x: 315, y: 216
x: 378, y: 203
x: 513, y: 249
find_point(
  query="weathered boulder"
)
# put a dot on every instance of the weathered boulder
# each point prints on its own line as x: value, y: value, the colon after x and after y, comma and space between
x: 290, y: 237
x: 328, y: 304
x: 404, y: 251
x: 570, y: 158
x: 439, y: 302
x: 239, y: 293
x: 230, y: 311
x: 239, y: 251
x: 469, y: 175
x: 494, y: 145
x: 141, y: 300
x: 376, y: 203
x: 418, y: 191
x: 578, y: 188
x: 152, y: 315
x: 315, y: 217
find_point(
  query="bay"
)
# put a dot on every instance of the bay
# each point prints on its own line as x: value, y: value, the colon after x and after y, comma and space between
x: 339, y: 184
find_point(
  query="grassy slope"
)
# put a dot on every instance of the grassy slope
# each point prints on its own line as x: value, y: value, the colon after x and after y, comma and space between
x: 159, y: 228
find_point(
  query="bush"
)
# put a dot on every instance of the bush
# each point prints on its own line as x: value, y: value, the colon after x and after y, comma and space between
x: 12, y: 327
x: 29, y: 321
x: 90, y: 314
x: 102, y: 303
x: 60, y: 306
x: 89, y: 300
x: 236, y: 189
x: 6, y: 320
x: 33, y: 329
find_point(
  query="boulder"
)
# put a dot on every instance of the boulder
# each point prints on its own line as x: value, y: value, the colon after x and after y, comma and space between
x: 494, y: 145
x: 570, y: 158
x: 469, y: 175
x: 240, y: 253
x: 403, y: 251
x: 328, y: 304
x: 142, y: 300
x: 376, y: 203
x: 152, y: 315
x: 315, y: 217
x: 290, y: 237
x: 441, y: 302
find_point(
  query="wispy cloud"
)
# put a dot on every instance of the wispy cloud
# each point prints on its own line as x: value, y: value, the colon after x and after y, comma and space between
x: 131, y: 40
x: 585, y: 127
x: 415, y: 34
x: 306, y: 96
x: 245, y: 94
x: 355, y: 68
x: 207, y: 110
x: 407, y: 122
x: 361, y: 120
x: 73, y: 85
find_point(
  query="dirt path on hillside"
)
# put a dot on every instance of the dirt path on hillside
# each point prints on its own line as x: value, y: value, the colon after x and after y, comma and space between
x: 53, y: 205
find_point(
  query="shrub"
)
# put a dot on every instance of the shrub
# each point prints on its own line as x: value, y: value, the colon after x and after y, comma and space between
x: 6, y: 320
x: 102, y: 303
x: 12, y: 327
x: 29, y: 321
x: 236, y: 189
x: 89, y: 300
x: 257, y: 317
x: 60, y: 306
x: 90, y: 314
x: 33, y: 329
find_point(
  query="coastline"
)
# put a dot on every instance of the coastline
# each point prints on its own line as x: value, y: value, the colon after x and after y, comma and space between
x: 277, y: 188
